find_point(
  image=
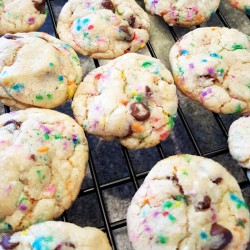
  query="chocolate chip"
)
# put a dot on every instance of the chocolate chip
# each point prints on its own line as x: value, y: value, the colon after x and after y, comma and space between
x: 6, y: 244
x: 221, y: 237
x: 107, y: 4
x: 203, y: 205
x: 129, y: 35
x: 217, y: 180
x: 148, y: 91
x: 11, y: 37
x: 207, y: 77
x: 16, y: 124
x: 40, y: 6
x: 65, y: 244
x: 140, y: 111
x: 33, y: 157
x: 131, y: 21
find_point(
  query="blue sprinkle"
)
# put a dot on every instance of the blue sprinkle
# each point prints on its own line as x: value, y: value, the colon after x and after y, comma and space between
x: 78, y: 20
x: 85, y: 21
x: 203, y: 235
x: 60, y: 78
x: 79, y: 27
x: 184, y: 52
x: 17, y: 87
x: 215, y: 55
x: 203, y: 60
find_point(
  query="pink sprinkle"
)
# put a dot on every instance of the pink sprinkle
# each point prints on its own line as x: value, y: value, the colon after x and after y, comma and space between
x: 2, y: 142
x: 156, y: 213
x: 31, y: 20
x: 148, y: 229
x: 22, y: 207
x: 65, y: 145
x: 8, y: 189
x: 51, y: 188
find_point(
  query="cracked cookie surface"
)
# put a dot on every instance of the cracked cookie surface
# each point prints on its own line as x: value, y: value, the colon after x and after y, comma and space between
x: 37, y: 70
x: 185, y: 13
x: 56, y: 235
x: 211, y: 66
x: 132, y: 98
x: 104, y: 29
x: 43, y: 156
x: 21, y: 15
x: 188, y: 202
x: 243, y: 5
x: 239, y: 141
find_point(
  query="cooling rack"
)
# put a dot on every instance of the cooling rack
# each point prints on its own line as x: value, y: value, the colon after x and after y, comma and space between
x: 127, y: 167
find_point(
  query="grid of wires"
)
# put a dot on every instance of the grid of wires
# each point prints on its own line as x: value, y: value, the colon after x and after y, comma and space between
x: 134, y: 177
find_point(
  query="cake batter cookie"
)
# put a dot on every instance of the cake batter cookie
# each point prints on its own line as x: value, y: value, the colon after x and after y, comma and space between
x: 21, y: 15
x: 55, y: 235
x: 43, y: 156
x: 103, y: 29
x: 211, y: 66
x: 243, y: 5
x: 184, y: 13
x: 239, y: 141
x: 188, y: 202
x: 132, y: 98
x: 37, y: 70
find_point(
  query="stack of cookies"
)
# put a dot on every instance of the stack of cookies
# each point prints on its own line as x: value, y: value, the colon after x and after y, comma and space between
x: 186, y: 202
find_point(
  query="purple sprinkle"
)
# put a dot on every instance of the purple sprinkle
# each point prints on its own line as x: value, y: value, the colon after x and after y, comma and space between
x: 156, y: 213
x: 45, y: 129
x: 154, y: 2
x: 95, y: 123
x: 22, y: 207
x: 210, y: 71
x: 209, y: 90
x: 31, y: 20
x: 191, y: 65
x: 148, y: 229
x: 203, y: 94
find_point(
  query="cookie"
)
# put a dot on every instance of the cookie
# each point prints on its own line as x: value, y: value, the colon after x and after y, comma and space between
x: 56, y: 235
x: 43, y: 156
x: 188, y: 202
x: 21, y: 15
x: 132, y: 98
x: 184, y: 13
x: 211, y: 66
x: 239, y: 141
x: 103, y: 29
x: 37, y: 70
x: 243, y: 5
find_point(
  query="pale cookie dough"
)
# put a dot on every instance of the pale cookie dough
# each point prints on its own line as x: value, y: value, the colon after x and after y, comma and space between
x: 103, y: 29
x: 21, y: 15
x: 132, y: 98
x: 37, y: 70
x: 55, y: 235
x: 211, y: 66
x: 43, y: 158
x: 239, y: 141
x: 243, y: 5
x: 184, y: 13
x: 188, y: 202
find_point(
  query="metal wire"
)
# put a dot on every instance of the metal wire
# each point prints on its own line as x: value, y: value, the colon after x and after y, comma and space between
x: 133, y: 177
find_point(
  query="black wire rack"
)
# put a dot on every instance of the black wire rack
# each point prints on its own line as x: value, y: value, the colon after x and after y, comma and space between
x: 134, y: 177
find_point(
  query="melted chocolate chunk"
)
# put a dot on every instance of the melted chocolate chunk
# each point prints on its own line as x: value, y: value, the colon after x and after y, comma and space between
x: 131, y: 21
x: 40, y: 6
x: 217, y: 180
x: 33, y: 157
x: 222, y: 237
x: 16, y: 124
x: 140, y: 111
x: 107, y: 4
x: 203, y: 205
x: 66, y: 244
x: 128, y: 34
x: 11, y: 37
x: 6, y: 244
x: 148, y: 91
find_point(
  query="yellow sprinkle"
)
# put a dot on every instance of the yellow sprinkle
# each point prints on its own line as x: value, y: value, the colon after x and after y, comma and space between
x: 167, y: 118
x: 103, y: 120
x: 71, y: 89
x: 42, y: 149
x: 122, y: 75
x: 177, y: 203
x: 134, y: 92
x: 24, y: 232
x: 142, y: 45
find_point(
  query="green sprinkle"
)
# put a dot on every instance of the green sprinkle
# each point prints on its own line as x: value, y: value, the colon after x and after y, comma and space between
x: 138, y: 98
x: 171, y: 217
x: 167, y: 204
x: 220, y: 71
x: 39, y: 97
x: 240, y: 223
x: 146, y: 64
x: 171, y: 122
x: 1, y: 3
x: 57, y: 137
x: 162, y: 239
x: 192, y: 44
x: 180, y: 197
x: 248, y: 85
x: 180, y: 71
x: 7, y: 226
x: 50, y: 96
x: 75, y: 58
x: 237, y: 46
x: 187, y: 158
x: 46, y: 136
x: 22, y: 200
x: 40, y: 175
x: 238, y: 109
